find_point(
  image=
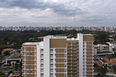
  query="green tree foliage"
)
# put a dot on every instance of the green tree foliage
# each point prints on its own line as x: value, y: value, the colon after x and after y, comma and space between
x: 1, y: 58
x: 101, y: 38
x: 6, y: 53
x: 2, y: 74
x: 16, y: 38
x: 20, y: 75
x: 10, y: 72
x: 20, y: 68
x: 16, y: 67
x: 101, y: 70
x: 114, y: 55
x: 114, y: 68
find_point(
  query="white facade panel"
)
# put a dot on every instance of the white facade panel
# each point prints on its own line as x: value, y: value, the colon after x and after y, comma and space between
x: 80, y: 38
x: 46, y: 57
x: 38, y: 61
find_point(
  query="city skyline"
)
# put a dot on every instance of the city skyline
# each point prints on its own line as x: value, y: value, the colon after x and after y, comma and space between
x: 57, y: 13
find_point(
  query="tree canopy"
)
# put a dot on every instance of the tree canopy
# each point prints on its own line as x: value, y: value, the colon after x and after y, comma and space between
x: 6, y: 53
x: 101, y: 38
x: 114, y: 68
x: 101, y: 70
x: 2, y: 74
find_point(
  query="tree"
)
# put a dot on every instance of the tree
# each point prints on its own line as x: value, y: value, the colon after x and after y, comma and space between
x: 16, y: 67
x: 101, y: 38
x: 20, y: 68
x: 101, y: 70
x: 1, y: 58
x: 20, y: 75
x: 113, y: 55
x: 7, y: 53
x: 20, y: 65
x: 114, y: 68
x: 2, y: 74
x: 10, y: 72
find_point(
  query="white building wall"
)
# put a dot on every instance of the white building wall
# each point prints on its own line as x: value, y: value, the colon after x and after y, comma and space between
x: 38, y: 61
x: 95, y: 51
x: 80, y: 37
x: 46, y: 56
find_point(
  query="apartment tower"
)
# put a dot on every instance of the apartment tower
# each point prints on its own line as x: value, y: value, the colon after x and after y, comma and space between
x: 59, y: 56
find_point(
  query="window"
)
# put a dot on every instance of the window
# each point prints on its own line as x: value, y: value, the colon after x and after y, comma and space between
x: 31, y: 53
x: 42, y: 60
x: 65, y: 70
x: 42, y: 65
x: 51, y: 55
x: 51, y: 70
x: 65, y: 55
x: 42, y: 70
x: 65, y: 50
x: 42, y: 75
x: 65, y: 60
x: 27, y: 71
x: 51, y: 75
x: 51, y: 60
x: 27, y: 53
x: 51, y: 65
x: 51, y: 49
x: 65, y: 65
x: 31, y: 71
x: 41, y: 49
x: 35, y: 67
x: 74, y: 60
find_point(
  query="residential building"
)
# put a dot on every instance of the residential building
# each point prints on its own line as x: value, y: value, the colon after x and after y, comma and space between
x: 102, y: 49
x: 59, y: 56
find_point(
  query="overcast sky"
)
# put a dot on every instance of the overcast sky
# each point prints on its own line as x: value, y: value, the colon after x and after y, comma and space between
x: 58, y: 13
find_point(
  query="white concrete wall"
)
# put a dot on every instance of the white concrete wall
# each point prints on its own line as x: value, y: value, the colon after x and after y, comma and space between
x: 95, y: 51
x: 38, y: 61
x: 80, y: 38
x: 46, y: 56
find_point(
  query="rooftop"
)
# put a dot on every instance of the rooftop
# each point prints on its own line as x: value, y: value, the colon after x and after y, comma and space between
x: 112, y: 60
x: 107, y: 60
x: 99, y: 63
x: 51, y: 36
x: 31, y: 43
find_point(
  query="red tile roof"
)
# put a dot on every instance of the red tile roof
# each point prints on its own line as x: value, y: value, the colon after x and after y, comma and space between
x: 99, y: 63
x: 94, y: 62
x: 107, y: 60
x: 112, y: 60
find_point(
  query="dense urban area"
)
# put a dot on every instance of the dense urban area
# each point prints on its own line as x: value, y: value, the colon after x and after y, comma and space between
x: 23, y: 28
x: 11, y: 39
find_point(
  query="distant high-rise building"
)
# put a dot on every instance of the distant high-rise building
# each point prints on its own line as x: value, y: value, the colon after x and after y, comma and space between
x: 59, y: 56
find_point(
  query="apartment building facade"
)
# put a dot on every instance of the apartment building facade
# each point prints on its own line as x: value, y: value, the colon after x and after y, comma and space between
x: 59, y: 56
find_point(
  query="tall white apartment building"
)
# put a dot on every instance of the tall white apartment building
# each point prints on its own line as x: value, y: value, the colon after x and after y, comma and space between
x: 59, y: 56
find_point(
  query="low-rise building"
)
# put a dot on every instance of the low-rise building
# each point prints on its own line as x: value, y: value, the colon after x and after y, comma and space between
x: 102, y: 49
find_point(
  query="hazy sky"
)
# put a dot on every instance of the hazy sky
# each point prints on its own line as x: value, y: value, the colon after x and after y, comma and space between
x: 57, y: 12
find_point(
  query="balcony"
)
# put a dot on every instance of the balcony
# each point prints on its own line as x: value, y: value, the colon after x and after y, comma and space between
x: 42, y: 61
x: 42, y: 70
